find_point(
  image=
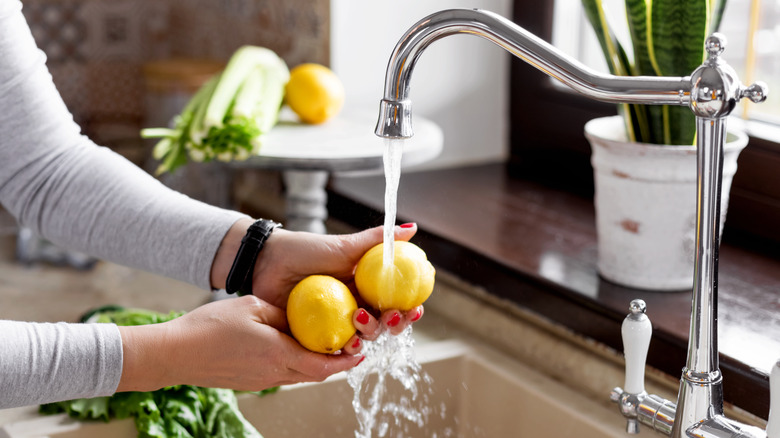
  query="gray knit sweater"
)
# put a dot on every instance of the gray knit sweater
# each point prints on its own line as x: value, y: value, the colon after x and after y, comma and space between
x: 87, y: 198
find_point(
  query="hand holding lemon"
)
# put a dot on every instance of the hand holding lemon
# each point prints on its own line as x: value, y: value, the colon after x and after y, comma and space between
x: 404, y: 285
x: 319, y: 313
x: 320, y: 309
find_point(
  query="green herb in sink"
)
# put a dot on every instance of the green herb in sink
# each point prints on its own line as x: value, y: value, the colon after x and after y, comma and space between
x: 176, y: 411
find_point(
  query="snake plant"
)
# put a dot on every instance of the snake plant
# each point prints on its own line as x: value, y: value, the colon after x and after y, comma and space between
x: 667, y: 38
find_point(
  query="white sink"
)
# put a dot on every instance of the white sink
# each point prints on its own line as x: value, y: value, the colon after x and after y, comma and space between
x: 476, y: 392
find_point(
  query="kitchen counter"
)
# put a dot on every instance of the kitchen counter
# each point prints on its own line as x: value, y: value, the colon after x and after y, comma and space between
x: 534, y: 247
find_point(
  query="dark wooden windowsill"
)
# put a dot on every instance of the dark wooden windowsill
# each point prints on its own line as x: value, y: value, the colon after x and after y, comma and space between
x: 536, y: 246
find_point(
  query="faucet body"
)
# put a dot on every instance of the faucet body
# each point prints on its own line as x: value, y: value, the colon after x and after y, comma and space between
x: 711, y: 91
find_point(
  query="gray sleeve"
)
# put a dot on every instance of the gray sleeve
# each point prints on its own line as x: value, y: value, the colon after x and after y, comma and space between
x: 43, y: 362
x: 82, y: 196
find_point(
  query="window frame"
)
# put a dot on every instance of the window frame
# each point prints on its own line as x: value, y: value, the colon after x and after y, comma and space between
x: 547, y: 143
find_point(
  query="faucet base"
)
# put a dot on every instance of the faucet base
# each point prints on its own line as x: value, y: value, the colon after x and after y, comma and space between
x: 700, y: 398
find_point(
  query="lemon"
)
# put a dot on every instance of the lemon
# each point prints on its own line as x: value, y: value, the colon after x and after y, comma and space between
x: 404, y: 285
x: 319, y: 313
x: 314, y: 93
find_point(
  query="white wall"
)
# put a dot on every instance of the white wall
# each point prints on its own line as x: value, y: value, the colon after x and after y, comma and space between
x: 460, y: 82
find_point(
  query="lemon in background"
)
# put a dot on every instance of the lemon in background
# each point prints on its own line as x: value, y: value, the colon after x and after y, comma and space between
x: 404, y: 285
x: 319, y: 313
x: 314, y: 93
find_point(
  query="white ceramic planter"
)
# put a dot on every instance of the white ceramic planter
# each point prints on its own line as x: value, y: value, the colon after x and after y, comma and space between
x: 645, y: 206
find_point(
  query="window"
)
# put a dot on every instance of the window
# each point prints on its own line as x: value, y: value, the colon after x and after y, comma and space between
x: 546, y: 132
x: 743, y: 21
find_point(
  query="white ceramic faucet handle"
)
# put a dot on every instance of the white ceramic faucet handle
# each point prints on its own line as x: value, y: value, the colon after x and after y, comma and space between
x: 773, y: 425
x: 636, y: 332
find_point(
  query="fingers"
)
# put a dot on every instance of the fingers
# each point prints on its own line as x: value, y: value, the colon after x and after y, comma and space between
x: 405, y: 231
x: 364, y: 240
x: 353, y: 346
x: 393, y: 320
x: 316, y: 367
x: 366, y: 324
x: 415, y: 314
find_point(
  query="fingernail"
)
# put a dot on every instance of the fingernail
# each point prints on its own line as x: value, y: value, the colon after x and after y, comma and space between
x: 362, y: 358
x: 356, y: 344
x: 417, y: 315
x: 407, y: 225
x: 394, y: 320
x: 362, y: 317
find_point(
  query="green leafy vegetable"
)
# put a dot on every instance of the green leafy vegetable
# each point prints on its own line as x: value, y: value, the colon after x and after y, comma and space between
x: 180, y: 411
x: 226, y: 119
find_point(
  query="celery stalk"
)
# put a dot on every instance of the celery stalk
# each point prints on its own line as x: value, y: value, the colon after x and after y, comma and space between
x: 249, y: 94
x: 267, y: 109
x: 240, y: 65
x: 228, y: 115
x: 198, y: 129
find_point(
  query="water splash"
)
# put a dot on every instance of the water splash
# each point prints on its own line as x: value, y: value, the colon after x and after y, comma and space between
x: 391, y: 390
x: 392, y: 163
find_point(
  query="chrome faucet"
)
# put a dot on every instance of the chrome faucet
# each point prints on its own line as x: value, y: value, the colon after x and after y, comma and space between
x: 711, y: 91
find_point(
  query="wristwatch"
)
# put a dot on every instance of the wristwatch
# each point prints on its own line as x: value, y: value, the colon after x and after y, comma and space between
x: 240, y: 277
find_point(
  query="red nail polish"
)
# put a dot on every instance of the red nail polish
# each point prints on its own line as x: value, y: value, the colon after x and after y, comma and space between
x: 362, y: 317
x: 394, y: 320
x: 362, y: 358
x: 407, y: 225
x: 417, y: 315
x: 356, y: 344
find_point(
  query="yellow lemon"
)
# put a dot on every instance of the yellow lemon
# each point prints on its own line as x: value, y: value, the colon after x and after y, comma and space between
x: 404, y: 285
x: 319, y: 313
x: 314, y: 92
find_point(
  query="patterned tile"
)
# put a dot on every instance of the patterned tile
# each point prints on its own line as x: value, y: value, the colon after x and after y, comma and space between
x: 96, y: 49
x: 57, y: 28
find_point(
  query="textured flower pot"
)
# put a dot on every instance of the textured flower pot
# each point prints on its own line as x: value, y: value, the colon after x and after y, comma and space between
x: 646, y: 206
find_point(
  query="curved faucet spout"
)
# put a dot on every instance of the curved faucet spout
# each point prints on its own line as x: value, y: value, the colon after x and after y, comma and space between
x: 395, y: 110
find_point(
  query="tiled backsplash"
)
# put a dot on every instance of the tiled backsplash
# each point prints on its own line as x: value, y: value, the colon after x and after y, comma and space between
x: 96, y: 48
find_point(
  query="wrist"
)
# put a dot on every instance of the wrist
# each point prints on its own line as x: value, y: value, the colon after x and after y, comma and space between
x: 226, y: 253
x: 240, y: 279
x: 143, y: 348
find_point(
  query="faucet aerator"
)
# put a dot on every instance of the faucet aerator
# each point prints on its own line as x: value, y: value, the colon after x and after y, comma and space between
x: 395, y: 119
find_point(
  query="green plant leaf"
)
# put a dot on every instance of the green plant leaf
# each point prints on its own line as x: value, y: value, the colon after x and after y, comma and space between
x: 636, y: 13
x: 667, y: 37
x: 617, y: 61
x: 717, y: 7
x: 676, y: 35
x: 606, y: 37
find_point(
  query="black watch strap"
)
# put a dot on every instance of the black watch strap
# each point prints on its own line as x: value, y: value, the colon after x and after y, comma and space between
x: 240, y: 277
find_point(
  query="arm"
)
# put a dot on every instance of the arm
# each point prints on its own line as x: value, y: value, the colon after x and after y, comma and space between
x: 43, y: 362
x: 83, y: 196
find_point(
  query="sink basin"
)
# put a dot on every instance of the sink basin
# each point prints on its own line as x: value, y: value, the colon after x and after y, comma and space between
x: 476, y: 392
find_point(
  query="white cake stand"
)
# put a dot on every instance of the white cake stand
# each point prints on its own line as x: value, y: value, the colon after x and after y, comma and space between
x: 308, y: 154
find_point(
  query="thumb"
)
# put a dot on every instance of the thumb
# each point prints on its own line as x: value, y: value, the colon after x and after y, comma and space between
x: 367, y: 239
x: 265, y: 313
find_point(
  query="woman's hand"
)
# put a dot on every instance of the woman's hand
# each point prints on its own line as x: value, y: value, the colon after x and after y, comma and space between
x: 238, y: 343
x: 289, y: 256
